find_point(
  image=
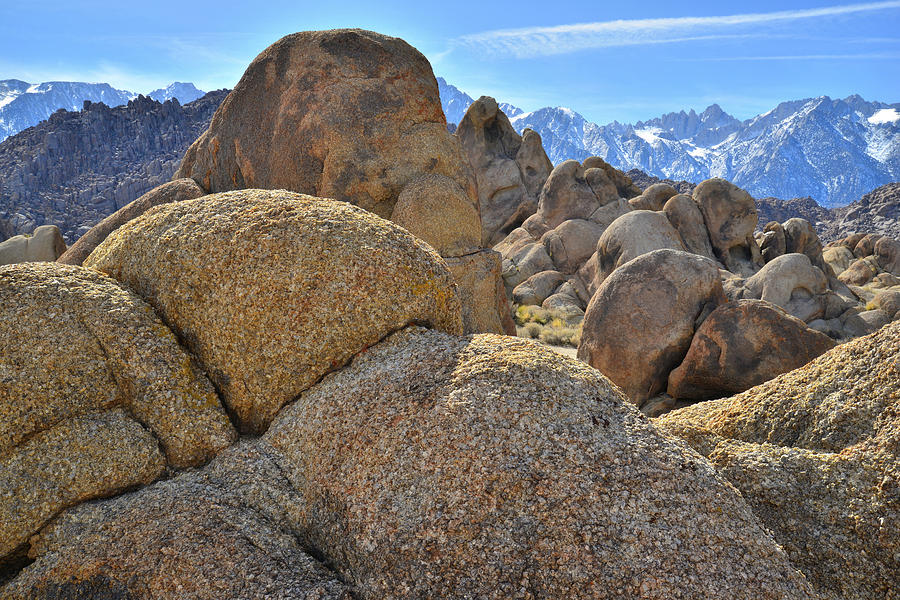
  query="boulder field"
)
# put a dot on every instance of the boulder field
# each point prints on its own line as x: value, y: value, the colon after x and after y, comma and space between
x: 280, y: 375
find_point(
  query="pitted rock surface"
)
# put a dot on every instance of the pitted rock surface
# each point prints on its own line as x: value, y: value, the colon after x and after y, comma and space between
x: 271, y: 289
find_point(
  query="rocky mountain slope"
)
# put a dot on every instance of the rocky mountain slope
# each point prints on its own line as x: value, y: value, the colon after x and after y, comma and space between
x: 24, y: 104
x: 831, y: 150
x: 78, y: 167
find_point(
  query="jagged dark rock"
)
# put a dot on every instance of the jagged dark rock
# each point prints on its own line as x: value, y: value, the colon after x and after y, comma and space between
x: 76, y: 168
x: 643, y: 181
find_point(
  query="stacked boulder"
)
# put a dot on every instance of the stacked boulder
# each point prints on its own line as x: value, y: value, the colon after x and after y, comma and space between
x: 355, y: 116
x: 45, y: 244
x: 394, y: 460
x: 649, y: 269
x: 870, y: 267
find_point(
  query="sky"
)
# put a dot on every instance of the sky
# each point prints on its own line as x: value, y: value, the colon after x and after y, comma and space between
x: 624, y: 61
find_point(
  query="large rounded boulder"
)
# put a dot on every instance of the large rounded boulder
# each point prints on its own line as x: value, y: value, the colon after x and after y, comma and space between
x: 816, y: 453
x: 437, y: 466
x: 346, y: 114
x: 742, y: 344
x: 96, y: 396
x: 639, y: 324
x: 271, y: 290
x: 731, y: 218
x: 631, y: 235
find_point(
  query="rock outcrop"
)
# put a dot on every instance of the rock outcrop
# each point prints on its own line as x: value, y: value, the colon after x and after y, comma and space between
x: 77, y: 168
x: 510, y: 169
x: 354, y: 116
x: 96, y: 396
x: 815, y: 452
x: 203, y: 264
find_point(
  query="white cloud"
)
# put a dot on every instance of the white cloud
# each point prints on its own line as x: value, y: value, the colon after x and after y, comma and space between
x: 861, y: 56
x: 562, y: 39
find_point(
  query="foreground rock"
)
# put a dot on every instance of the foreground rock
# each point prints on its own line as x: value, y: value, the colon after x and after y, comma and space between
x: 45, y: 244
x: 174, y: 191
x: 271, y: 290
x: 639, y: 324
x: 217, y: 534
x: 815, y: 452
x: 436, y: 466
x: 742, y: 344
x: 96, y: 396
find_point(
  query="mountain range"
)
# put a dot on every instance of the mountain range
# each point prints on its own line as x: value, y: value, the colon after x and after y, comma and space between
x: 831, y: 150
x: 24, y: 104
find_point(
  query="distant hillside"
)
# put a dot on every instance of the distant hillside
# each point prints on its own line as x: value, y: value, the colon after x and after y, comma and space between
x: 78, y: 167
x: 24, y: 104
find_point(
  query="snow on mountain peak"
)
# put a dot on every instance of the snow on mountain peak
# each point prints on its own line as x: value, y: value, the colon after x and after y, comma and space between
x: 885, y: 115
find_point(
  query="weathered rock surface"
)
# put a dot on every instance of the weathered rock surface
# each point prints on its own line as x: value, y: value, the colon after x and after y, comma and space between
x: 793, y: 283
x: 639, y: 324
x: 730, y: 216
x: 631, y: 235
x: 742, y: 344
x: 508, y: 470
x: 96, y: 395
x: 510, y: 169
x: 815, y: 452
x: 772, y: 242
x: 654, y: 197
x: 271, y: 289
x: 887, y: 255
x: 571, y: 243
x: 346, y: 114
x: 173, y: 191
x: 217, y: 534
x: 484, y: 303
x: 685, y: 216
x: 44, y: 244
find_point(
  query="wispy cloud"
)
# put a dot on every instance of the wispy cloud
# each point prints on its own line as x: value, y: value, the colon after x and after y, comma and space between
x: 792, y: 57
x: 562, y: 39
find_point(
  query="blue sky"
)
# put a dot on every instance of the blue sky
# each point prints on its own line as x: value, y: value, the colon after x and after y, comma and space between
x: 609, y: 61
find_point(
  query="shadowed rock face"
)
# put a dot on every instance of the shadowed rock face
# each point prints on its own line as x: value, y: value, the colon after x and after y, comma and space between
x: 346, y: 114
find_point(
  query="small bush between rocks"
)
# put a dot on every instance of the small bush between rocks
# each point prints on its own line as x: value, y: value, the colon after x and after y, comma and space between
x: 554, y: 327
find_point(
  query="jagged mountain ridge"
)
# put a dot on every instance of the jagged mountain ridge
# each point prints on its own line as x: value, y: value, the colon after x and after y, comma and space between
x: 831, y: 150
x: 76, y: 168
x: 24, y: 104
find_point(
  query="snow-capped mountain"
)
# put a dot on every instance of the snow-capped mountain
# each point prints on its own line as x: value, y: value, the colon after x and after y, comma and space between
x: 832, y: 150
x: 183, y: 92
x: 24, y: 104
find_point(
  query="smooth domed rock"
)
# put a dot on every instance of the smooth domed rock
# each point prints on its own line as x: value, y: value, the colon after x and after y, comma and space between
x: 815, y: 452
x: 631, y: 235
x: 800, y: 237
x: 435, y: 209
x: 866, y: 245
x: 566, y: 195
x: 774, y: 242
x: 96, y: 395
x: 271, y: 290
x: 438, y: 466
x: 46, y: 244
x: 793, y: 283
x: 639, y: 324
x: 839, y: 258
x: 875, y: 319
x: 571, y: 243
x: 654, y: 197
x: 730, y: 216
x: 346, y: 114
x: 860, y: 272
x: 887, y: 255
x: 686, y: 218
x: 526, y: 260
x: 173, y: 191
x: 602, y: 186
x: 624, y: 186
x: 538, y: 287
x: 742, y: 344
x: 217, y: 534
